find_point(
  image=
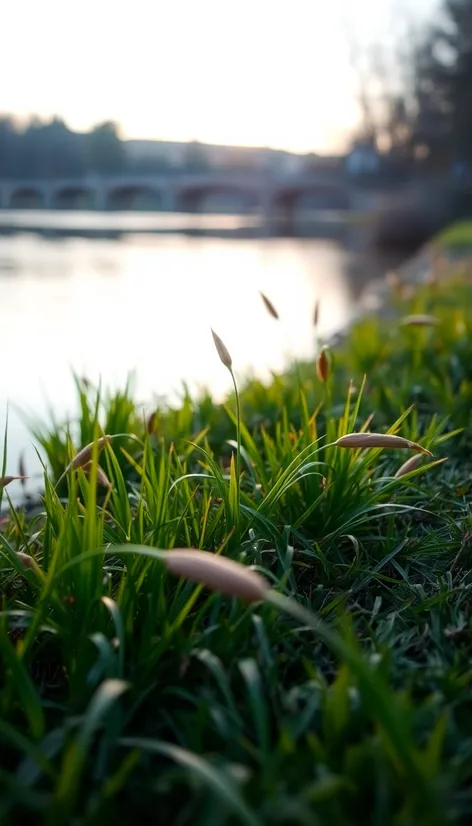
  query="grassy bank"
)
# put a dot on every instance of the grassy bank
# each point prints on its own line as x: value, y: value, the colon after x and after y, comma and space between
x: 458, y: 236
x: 329, y: 680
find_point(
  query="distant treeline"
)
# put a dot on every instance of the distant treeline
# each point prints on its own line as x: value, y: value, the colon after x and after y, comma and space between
x: 442, y: 85
x: 416, y: 94
x: 52, y: 150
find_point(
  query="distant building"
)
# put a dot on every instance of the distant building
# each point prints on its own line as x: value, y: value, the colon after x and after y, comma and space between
x: 363, y: 159
x: 170, y: 153
x: 313, y: 164
x: 177, y: 154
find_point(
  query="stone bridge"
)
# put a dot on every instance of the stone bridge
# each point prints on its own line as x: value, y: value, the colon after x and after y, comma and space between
x: 277, y: 198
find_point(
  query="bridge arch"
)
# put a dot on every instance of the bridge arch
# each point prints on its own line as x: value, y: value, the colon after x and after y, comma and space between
x: 126, y: 197
x: 74, y: 197
x: 324, y: 197
x: 27, y: 197
x: 289, y: 201
x: 217, y: 197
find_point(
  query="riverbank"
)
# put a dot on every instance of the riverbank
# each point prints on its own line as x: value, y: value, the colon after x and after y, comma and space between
x: 339, y: 695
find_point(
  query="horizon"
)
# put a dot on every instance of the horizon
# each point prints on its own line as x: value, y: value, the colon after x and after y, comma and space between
x: 278, y: 82
x: 24, y: 122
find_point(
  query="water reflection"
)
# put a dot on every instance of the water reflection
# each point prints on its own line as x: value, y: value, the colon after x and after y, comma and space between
x: 146, y: 304
x: 137, y: 221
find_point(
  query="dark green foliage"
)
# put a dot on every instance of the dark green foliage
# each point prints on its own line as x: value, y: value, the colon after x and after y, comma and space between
x: 442, y: 85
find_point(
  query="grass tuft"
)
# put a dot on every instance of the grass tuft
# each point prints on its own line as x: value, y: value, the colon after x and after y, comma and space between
x: 252, y: 612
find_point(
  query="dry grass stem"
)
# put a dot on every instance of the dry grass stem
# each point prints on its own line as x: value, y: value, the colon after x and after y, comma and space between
x: 217, y: 573
x: 372, y: 440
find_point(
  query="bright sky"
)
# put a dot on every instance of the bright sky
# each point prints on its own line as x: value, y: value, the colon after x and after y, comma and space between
x: 257, y: 72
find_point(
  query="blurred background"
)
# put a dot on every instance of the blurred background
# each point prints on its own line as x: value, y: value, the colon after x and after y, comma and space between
x: 162, y: 163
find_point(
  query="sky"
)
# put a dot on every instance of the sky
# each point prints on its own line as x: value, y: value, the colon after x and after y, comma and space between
x: 252, y: 72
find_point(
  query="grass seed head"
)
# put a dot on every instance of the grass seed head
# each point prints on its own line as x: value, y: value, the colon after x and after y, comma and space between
x: 316, y: 314
x: 151, y: 422
x: 269, y: 306
x: 373, y: 440
x: 5, y: 480
x: 217, y: 573
x: 419, y: 321
x: 28, y: 561
x: 84, y: 456
x: 22, y: 470
x: 222, y: 351
x: 102, y: 478
x: 323, y: 365
x: 411, y: 464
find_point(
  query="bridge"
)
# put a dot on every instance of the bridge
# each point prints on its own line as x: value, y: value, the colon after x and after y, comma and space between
x: 277, y: 198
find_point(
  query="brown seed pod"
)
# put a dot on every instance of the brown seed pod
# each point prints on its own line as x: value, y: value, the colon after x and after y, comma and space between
x: 217, y: 573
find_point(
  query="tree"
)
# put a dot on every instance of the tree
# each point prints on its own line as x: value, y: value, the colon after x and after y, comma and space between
x: 7, y: 148
x: 416, y: 98
x: 443, y: 86
x: 105, y: 151
x: 383, y: 74
x: 195, y: 157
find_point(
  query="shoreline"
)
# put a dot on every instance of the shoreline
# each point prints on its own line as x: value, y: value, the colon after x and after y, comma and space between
x: 110, y: 225
x: 163, y: 569
x: 374, y: 301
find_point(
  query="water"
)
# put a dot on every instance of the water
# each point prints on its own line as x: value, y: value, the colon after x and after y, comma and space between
x: 86, y: 221
x: 145, y: 303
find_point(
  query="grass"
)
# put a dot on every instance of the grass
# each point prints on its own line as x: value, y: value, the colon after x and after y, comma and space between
x: 457, y: 236
x: 344, y: 694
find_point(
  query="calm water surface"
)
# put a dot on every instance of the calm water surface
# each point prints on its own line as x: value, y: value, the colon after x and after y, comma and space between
x: 145, y: 304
